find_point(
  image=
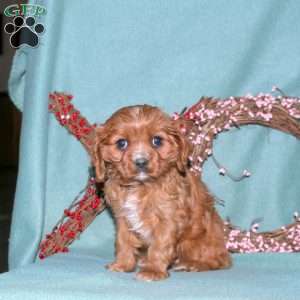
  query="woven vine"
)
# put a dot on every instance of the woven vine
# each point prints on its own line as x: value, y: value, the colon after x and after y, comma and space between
x: 201, y: 123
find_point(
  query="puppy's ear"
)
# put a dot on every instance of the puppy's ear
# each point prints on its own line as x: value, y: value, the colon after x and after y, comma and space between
x: 184, y: 148
x: 97, y: 159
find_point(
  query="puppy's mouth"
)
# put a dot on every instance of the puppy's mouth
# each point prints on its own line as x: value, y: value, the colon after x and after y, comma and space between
x: 142, y: 176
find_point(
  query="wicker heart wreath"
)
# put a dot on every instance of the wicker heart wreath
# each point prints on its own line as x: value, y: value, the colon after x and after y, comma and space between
x: 201, y: 123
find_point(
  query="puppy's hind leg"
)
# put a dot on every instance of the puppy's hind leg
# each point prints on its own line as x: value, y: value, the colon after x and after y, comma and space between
x: 205, y: 251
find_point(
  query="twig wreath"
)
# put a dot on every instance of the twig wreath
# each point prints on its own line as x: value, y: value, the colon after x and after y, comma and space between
x: 201, y: 123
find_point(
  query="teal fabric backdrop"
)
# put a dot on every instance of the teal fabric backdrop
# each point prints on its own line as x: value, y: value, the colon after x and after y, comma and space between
x: 110, y: 54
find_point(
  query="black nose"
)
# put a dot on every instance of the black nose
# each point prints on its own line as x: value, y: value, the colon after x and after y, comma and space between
x: 141, y: 163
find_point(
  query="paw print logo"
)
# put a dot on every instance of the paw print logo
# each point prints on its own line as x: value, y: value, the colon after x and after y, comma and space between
x: 24, y: 31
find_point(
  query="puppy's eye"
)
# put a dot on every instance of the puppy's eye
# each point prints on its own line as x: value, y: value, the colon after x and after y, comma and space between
x: 157, y: 141
x: 122, y: 144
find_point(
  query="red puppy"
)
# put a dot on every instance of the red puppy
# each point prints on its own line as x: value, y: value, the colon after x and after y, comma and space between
x: 165, y: 216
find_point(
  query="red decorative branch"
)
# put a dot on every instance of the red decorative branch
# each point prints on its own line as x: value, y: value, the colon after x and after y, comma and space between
x: 74, y: 221
x: 69, y: 117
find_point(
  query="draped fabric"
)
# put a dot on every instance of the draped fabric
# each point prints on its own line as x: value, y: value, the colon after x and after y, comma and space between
x: 110, y: 54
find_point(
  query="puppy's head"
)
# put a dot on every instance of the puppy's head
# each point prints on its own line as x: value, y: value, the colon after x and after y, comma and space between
x: 139, y: 143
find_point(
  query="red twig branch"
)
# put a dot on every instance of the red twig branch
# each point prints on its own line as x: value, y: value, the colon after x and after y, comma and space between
x: 69, y: 117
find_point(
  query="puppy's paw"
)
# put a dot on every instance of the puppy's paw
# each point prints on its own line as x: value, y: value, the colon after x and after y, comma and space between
x: 190, y: 266
x: 185, y: 267
x: 120, y: 267
x: 198, y: 266
x: 150, y: 275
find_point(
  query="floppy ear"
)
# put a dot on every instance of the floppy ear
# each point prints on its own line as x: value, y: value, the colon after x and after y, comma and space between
x: 184, y: 148
x: 184, y: 152
x: 97, y: 159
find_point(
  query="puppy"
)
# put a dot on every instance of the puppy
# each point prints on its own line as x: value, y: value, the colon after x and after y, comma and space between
x: 165, y: 217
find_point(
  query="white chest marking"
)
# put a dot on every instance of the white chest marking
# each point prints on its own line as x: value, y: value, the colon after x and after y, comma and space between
x: 131, y: 213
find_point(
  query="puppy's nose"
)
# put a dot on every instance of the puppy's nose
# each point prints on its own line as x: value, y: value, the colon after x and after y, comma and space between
x: 141, y: 163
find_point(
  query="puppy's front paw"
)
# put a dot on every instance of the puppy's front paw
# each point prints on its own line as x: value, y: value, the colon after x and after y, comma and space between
x: 120, y: 267
x: 150, y: 275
